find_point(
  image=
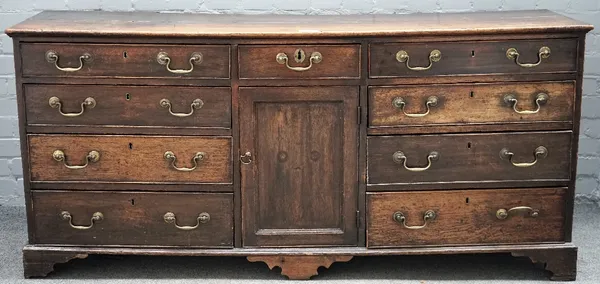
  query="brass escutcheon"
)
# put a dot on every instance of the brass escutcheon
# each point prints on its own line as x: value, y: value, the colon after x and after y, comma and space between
x: 315, y: 57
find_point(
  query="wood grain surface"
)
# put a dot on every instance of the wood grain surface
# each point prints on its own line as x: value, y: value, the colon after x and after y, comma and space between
x: 130, y: 158
x: 466, y: 217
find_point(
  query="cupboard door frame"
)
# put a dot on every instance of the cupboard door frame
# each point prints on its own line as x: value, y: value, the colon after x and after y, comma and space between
x: 346, y: 234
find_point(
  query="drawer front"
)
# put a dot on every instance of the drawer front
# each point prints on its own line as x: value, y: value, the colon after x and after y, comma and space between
x: 133, y: 218
x: 471, y: 103
x: 464, y: 58
x: 499, y: 216
x: 299, y: 61
x: 128, y: 105
x: 539, y: 156
x: 109, y: 60
x: 130, y: 158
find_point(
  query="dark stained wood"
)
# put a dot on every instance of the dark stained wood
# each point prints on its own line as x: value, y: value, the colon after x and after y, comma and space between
x: 130, y: 158
x: 37, y: 263
x: 338, y: 61
x: 299, y: 267
x: 561, y: 262
x: 470, y: 127
x: 128, y: 130
x: 130, y: 186
x: 466, y: 217
x: 129, y: 106
x: 472, y: 58
x: 111, y: 61
x: 469, y: 158
x: 124, y: 24
x: 133, y: 218
x: 295, y: 135
x: 237, y: 191
x: 459, y: 104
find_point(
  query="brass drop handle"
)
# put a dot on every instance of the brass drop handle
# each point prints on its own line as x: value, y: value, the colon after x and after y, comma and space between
x: 399, y: 103
x: 96, y: 217
x: 52, y: 57
x: 539, y: 153
x: 540, y: 100
x: 89, y: 103
x: 502, y: 214
x: 401, y: 219
x: 59, y: 156
x: 513, y: 54
x: 400, y: 158
x: 196, y: 104
x: 403, y: 57
x: 169, y: 155
x: 246, y: 158
x: 315, y: 57
x: 172, y: 219
x: 164, y: 59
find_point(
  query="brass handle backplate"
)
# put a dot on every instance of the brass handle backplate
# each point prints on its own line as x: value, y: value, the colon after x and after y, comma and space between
x: 401, y: 219
x: 196, y: 104
x: 513, y: 54
x: 96, y: 217
x: 399, y: 103
x: 172, y: 219
x: 403, y: 57
x: 539, y: 153
x: 540, y: 100
x: 315, y: 57
x: 199, y: 156
x: 502, y: 214
x: 52, y: 57
x: 400, y: 158
x: 246, y: 158
x: 59, y: 156
x: 163, y: 59
x: 89, y: 103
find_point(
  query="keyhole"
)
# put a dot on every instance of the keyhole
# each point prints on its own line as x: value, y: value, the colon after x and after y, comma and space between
x: 130, y: 146
x: 124, y: 54
x: 469, y: 145
x: 299, y: 56
x: 132, y: 202
x: 467, y: 200
x: 128, y: 96
x: 472, y: 94
x: 472, y: 53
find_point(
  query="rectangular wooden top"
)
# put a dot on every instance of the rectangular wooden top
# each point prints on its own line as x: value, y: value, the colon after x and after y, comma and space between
x: 99, y: 23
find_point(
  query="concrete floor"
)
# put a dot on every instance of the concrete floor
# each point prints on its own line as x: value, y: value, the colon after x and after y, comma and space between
x: 485, y: 269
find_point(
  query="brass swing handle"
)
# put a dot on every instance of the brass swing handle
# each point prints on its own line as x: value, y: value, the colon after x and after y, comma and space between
x: 502, y: 214
x: 169, y: 155
x: 539, y: 153
x: 172, y: 219
x: 52, y: 57
x: 59, y: 156
x: 196, y: 104
x: 401, y: 219
x: 246, y: 158
x: 513, y: 54
x: 89, y: 103
x: 540, y: 99
x: 315, y: 57
x: 399, y: 103
x: 163, y: 59
x: 434, y: 56
x: 400, y: 158
x: 96, y: 217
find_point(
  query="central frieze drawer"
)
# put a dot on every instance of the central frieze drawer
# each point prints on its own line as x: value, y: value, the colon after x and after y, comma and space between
x: 477, y: 57
x: 431, y: 159
x: 176, y: 159
x: 127, y: 218
x: 299, y: 61
x: 123, y: 60
x: 128, y: 105
x: 457, y: 217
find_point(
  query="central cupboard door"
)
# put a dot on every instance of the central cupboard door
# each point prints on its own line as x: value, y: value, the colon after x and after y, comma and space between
x: 298, y: 149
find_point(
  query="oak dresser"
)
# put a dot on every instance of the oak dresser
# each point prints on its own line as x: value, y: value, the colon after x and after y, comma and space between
x: 299, y: 141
